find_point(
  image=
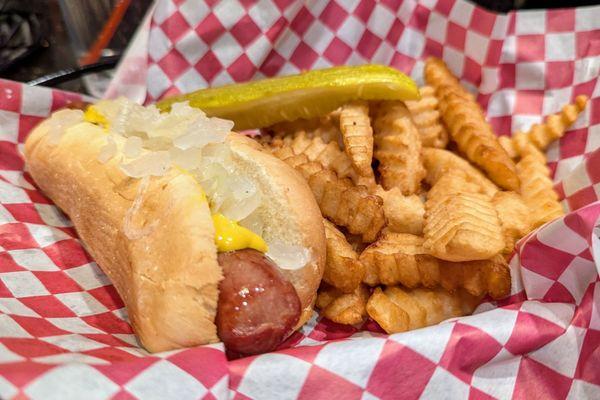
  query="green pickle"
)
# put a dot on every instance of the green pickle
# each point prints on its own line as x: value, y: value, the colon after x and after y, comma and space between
x: 261, y: 103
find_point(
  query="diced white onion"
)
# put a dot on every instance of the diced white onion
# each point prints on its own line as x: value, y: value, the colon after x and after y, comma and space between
x: 61, y: 121
x: 238, y: 209
x: 198, y: 137
x: 158, y: 143
x: 288, y: 256
x: 150, y: 136
x: 133, y: 147
x: 185, y: 137
x: 233, y: 195
x: 210, y: 174
x: 187, y: 159
x: 150, y: 164
x: 119, y: 123
x: 254, y: 222
x: 108, y: 151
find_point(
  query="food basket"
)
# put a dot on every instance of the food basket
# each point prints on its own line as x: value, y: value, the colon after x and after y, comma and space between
x: 64, y: 332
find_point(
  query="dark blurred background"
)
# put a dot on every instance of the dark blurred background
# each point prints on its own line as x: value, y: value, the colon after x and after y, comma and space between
x: 49, y: 40
x: 41, y: 37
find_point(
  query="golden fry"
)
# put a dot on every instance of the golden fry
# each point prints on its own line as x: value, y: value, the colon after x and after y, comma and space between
x: 342, y: 268
x: 460, y: 226
x: 398, y: 148
x: 343, y: 308
x: 454, y: 182
x: 329, y: 155
x: 516, y: 144
x: 391, y: 317
x: 537, y: 188
x: 357, y: 135
x: 405, y: 214
x: 399, y: 310
x: 326, y: 128
x: 467, y: 125
x: 356, y: 242
x: 426, y: 117
x: 326, y: 295
x: 508, y: 146
x: 400, y: 259
x: 438, y: 75
x: 340, y: 200
x: 439, y: 162
x: 477, y: 277
x: 541, y: 135
x: 514, y: 216
x: 476, y: 139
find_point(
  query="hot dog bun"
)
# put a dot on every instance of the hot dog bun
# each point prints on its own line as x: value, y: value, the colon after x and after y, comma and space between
x: 163, y: 259
x: 292, y: 211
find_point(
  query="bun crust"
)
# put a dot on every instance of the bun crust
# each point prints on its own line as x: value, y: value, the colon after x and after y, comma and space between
x: 161, y: 255
x: 168, y: 278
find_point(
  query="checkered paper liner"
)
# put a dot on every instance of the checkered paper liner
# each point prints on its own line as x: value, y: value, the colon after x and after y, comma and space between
x: 63, y: 329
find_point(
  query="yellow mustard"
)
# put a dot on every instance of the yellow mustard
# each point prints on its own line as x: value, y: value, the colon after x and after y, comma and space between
x: 230, y: 236
x: 94, y: 116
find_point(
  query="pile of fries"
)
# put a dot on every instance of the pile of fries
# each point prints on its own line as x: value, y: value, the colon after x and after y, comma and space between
x: 422, y: 202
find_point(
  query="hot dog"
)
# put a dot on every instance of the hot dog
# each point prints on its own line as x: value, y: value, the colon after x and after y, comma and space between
x: 258, y: 307
x: 205, y: 236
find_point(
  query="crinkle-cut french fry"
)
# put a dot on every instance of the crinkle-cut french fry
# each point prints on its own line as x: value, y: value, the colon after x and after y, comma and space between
x: 391, y: 317
x: 342, y: 268
x: 541, y: 135
x: 467, y: 126
x: 514, y: 217
x: 438, y: 75
x: 454, y: 182
x: 427, y: 119
x: 515, y: 145
x: 398, y: 148
x: 400, y: 259
x: 460, y: 226
x: 357, y: 135
x: 405, y: 214
x: 439, y: 162
x: 325, y: 127
x: 537, y: 188
x: 478, y: 278
x: 340, y: 200
x: 343, y: 308
x: 327, y: 154
x: 508, y: 146
x: 398, y: 310
x: 475, y: 138
x: 356, y: 242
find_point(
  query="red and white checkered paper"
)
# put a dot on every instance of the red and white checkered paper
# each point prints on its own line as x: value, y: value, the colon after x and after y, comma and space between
x: 64, y: 331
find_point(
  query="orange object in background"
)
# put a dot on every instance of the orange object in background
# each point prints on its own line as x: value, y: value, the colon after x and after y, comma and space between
x: 108, y: 31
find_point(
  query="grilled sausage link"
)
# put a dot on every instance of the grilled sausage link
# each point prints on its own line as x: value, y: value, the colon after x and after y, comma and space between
x: 258, y: 308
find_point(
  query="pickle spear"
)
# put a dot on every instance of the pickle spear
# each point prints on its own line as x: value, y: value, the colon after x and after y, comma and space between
x: 310, y: 94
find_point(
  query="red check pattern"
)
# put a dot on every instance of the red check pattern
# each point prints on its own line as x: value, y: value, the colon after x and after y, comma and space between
x: 63, y: 328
